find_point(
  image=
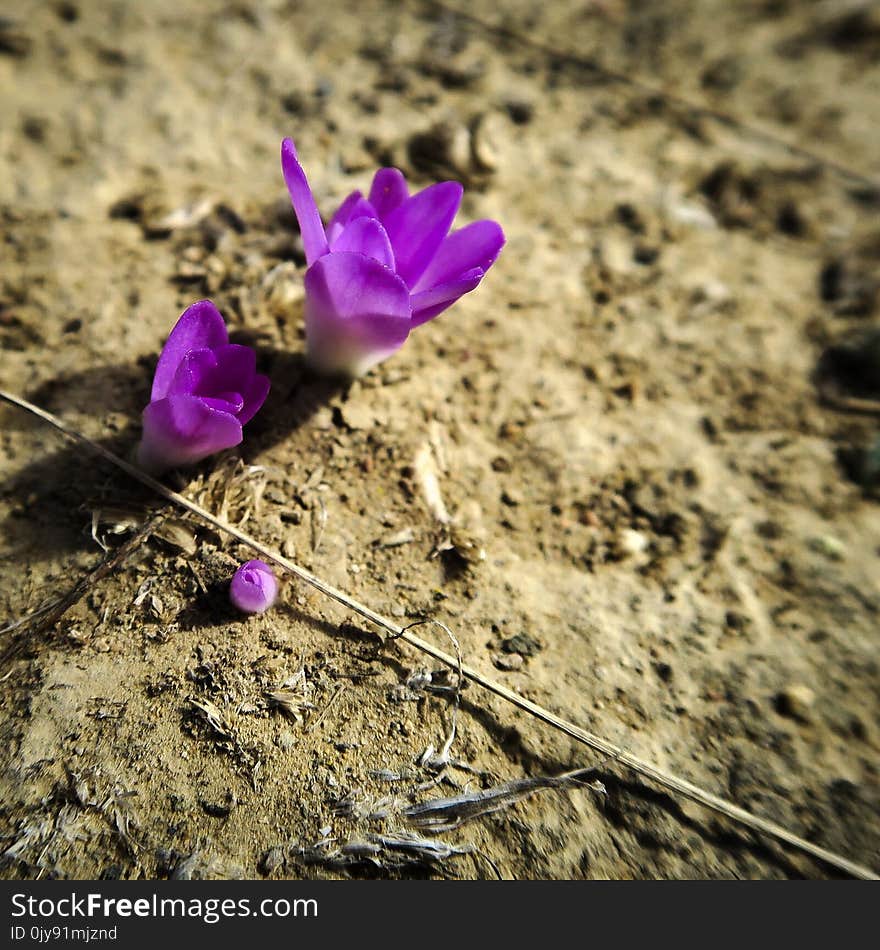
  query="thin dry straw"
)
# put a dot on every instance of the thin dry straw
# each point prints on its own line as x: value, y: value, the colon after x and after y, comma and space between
x: 608, y: 749
x: 46, y: 617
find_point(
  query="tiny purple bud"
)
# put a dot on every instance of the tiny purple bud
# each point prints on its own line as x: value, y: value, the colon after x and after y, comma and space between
x: 254, y: 587
x: 383, y: 266
x: 205, y: 389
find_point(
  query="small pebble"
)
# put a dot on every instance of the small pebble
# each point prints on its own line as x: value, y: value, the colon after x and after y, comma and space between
x: 664, y: 671
x: 356, y: 416
x: 829, y: 546
x: 633, y: 542
x: 508, y: 661
x: 404, y: 536
x: 616, y: 254
x: 692, y: 215
x: 271, y: 860
x: 521, y: 643
x: 486, y: 142
x: 796, y: 702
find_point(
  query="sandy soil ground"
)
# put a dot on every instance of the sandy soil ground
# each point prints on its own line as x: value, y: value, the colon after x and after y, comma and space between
x: 655, y: 425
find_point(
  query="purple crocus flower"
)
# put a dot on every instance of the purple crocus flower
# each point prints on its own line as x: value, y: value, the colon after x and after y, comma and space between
x: 254, y: 587
x: 384, y: 264
x: 205, y: 389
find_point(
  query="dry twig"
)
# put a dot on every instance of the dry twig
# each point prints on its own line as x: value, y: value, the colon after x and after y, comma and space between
x: 445, y: 814
x: 45, y: 619
x: 666, y: 779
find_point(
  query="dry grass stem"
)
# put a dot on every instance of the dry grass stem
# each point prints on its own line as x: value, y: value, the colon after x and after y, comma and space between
x: 607, y: 749
x: 392, y: 850
x: 45, y: 619
x: 445, y: 814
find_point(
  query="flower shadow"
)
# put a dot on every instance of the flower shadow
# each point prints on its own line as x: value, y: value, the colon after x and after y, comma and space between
x: 51, y: 500
x: 47, y: 502
x: 297, y: 394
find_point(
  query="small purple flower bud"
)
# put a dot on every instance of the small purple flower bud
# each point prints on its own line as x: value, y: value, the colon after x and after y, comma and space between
x: 383, y: 266
x: 254, y: 587
x: 205, y: 389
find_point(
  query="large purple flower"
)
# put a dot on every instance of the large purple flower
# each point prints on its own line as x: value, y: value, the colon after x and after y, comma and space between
x: 383, y: 265
x: 205, y: 389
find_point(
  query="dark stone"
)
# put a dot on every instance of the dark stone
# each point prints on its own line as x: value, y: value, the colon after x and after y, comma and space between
x: 521, y: 643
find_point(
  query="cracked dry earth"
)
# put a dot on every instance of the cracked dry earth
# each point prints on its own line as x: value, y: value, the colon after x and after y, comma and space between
x: 654, y: 430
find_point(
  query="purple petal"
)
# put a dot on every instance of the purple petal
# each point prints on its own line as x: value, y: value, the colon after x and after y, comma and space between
x: 233, y: 370
x: 427, y: 304
x: 417, y: 227
x: 232, y: 403
x: 366, y: 236
x: 254, y: 397
x: 389, y: 191
x: 254, y: 587
x: 192, y: 372
x: 357, y: 313
x: 354, y: 206
x: 314, y: 239
x: 476, y: 245
x: 181, y: 430
x: 200, y: 327
x: 237, y: 372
